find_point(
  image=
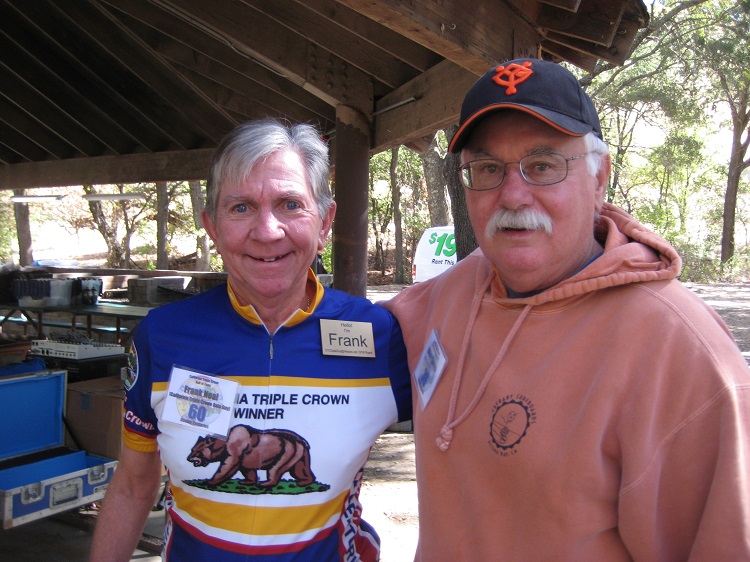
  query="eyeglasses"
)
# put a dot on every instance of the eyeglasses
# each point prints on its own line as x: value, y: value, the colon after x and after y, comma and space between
x: 537, y: 169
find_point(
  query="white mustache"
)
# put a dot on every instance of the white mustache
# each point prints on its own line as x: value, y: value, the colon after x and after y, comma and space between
x: 521, y: 219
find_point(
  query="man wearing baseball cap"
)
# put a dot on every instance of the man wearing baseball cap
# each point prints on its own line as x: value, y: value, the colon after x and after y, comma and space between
x: 573, y: 401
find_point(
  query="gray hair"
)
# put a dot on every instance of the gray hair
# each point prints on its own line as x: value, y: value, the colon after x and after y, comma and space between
x: 594, y: 161
x: 252, y: 142
x: 598, y: 149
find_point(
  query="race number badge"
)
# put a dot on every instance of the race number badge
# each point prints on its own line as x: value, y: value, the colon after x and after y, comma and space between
x: 199, y: 402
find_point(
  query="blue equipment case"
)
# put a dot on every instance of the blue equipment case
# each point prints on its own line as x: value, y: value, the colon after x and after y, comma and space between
x: 40, y: 477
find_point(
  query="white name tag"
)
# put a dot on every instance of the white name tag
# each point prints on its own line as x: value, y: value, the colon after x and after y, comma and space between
x: 346, y: 338
x: 199, y: 402
x: 430, y: 368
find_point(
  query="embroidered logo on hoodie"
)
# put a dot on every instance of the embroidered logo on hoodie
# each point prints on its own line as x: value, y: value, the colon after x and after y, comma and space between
x: 512, y: 417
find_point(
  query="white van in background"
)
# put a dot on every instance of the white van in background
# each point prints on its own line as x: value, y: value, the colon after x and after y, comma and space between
x: 436, y: 252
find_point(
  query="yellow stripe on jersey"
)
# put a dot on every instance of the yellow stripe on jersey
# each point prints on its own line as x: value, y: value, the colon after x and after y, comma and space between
x: 324, y: 383
x: 138, y: 442
x: 295, y: 381
x: 261, y: 521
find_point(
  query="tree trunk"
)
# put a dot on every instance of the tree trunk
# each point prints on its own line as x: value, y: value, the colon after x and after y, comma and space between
x: 435, y: 181
x: 162, y: 222
x: 737, y: 165
x: 202, y: 242
x: 399, y: 275
x: 116, y: 255
x: 23, y: 231
x: 125, y: 243
x: 378, y: 259
x: 730, y: 210
x: 466, y: 242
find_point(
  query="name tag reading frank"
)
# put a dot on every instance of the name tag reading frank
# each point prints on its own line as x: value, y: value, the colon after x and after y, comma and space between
x: 347, y: 338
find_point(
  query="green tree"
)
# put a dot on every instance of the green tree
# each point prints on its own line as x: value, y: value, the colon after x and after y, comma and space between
x: 671, y: 87
x: 184, y: 202
x: 722, y: 48
x: 399, y: 170
x: 650, y: 90
x: 415, y: 213
x: 26, y: 214
x: 675, y: 180
x: 399, y: 275
x: 432, y: 163
x: 381, y: 208
x: 466, y: 242
x: 202, y: 241
x: 117, y: 221
x: 22, y: 215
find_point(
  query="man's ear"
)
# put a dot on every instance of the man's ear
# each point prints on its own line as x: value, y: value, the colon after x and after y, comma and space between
x: 210, y: 227
x: 602, y: 181
x: 325, y: 227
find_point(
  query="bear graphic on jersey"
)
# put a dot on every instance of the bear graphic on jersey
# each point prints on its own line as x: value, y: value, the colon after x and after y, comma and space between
x: 247, y: 450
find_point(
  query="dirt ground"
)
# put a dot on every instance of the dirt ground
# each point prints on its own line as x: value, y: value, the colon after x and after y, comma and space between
x: 732, y: 302
x: 389, y: 492
x: 389, y: 496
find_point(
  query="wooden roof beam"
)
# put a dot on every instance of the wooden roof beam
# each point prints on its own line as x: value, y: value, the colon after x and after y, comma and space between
x: 253, y: 33
x: 428, y: 103
x: 126, y: 168
x: 474, y: 38
x: 596, y: 22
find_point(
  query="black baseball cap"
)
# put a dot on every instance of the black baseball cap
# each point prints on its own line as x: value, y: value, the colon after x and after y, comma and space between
x: 541, y: 88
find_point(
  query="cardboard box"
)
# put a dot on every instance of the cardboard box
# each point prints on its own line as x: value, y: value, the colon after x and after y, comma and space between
x: 145, y: 291
x: 94, y: 416
x: 13, y: 352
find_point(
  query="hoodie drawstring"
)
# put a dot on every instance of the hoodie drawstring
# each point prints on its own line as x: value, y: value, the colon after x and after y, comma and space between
x: 446, y: 432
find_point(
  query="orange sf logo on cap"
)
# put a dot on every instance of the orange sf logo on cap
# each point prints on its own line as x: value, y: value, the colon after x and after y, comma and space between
x: 512, y: 75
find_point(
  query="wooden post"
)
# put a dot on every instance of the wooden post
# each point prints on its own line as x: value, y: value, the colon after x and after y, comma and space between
x: 350, y: 227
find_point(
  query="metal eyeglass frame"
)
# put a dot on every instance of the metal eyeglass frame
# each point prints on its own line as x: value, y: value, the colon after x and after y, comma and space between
x: 464, y: 167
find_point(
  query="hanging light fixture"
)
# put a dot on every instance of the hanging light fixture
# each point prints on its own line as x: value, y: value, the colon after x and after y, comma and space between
x: 113, y: 196
x: 35, y: 198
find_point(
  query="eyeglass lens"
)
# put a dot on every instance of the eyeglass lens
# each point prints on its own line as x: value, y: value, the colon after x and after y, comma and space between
x: 537, y: 169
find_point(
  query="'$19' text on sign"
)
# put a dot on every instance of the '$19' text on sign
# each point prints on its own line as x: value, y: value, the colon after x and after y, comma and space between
x: 446, y: 243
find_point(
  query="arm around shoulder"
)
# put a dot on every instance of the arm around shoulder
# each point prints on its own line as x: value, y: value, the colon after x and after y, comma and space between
x: 129, y: 499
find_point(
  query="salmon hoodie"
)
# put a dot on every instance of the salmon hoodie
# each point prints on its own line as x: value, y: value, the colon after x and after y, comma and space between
x: 605, y: 418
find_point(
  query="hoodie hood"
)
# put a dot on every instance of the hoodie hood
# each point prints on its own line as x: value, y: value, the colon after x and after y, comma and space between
x: 632, y: 254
